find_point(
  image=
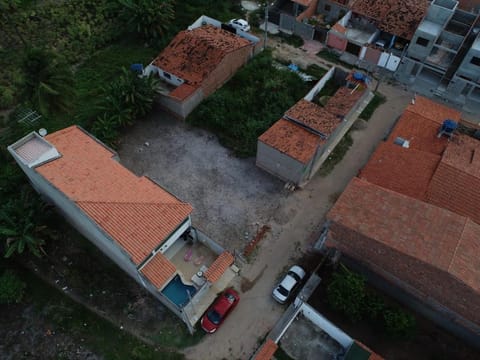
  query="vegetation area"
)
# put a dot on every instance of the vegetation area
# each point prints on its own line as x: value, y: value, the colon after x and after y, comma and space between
x: 266, y: 92
x: 378, y: 99
x: 333, y: 57
x: 347, y: 293
x: 336, y: 155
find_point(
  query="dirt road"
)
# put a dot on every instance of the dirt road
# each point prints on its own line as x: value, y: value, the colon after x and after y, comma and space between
x: 257, y: 312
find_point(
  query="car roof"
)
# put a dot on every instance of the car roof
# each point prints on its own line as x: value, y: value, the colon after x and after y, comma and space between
x: 288, y: 282
x: 223, y: 304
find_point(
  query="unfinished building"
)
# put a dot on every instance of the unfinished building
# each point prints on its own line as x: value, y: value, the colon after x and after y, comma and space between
x: 443, y: 58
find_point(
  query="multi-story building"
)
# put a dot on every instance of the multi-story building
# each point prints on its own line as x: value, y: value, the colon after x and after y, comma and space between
x: 443, y: 58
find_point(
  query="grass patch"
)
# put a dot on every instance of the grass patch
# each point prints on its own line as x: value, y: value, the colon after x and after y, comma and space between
x: 333, y: 58
x: 293, y: 40
x: 337, y: 155
x: 315, y: 71
x: 177, y: 336
x: 77, y: 321
x: 377, y: 100
x: 256, y: 97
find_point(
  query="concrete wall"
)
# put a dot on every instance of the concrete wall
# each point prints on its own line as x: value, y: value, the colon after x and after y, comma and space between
x: 280, y: 165
x: 418, y: 51
x: 429, y: 282
x: 467, y: 68
x: 440, y: 11
x: 179, y: 108
x: 337, y: 135
x: 323, y: 323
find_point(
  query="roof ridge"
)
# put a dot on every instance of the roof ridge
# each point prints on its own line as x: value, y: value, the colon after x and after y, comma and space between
x: 133, y: 202
x: 458, y: 244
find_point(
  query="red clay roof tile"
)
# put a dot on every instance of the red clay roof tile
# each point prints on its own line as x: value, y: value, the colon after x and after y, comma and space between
x: 343, y: 100
x: 158, y: 270
x: 314, y: 116
x: 218, y: 267
x: 193, y: 54
x: 267, y: 350
x: 465, y: 264
x: 183, y: 91
x: 432, y: 110
x: 292, y: 140
x: 137, y: 213
x: 406, y: 171
x: 456, y: 182
x: 339, y: 28
x: 415, y: 228
x: 420, y: 132
x: 398, y: 17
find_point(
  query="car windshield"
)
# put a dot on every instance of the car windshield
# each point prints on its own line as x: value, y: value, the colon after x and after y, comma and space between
x: 295, y: 276
x: 214, y: 317
x: 282, y: 290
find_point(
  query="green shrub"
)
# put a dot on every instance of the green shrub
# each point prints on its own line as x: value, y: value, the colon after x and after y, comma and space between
x: 7, y: 97
x: 377, y: 100
x: 346, y: 293
x: 293, y: 40
x: 374, y: 306
x: 142, y: 352
x: 244, y: 108
x: 399, y: 324
x: 12, y: 288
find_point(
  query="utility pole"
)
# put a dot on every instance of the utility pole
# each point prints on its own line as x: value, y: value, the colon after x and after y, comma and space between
x: 266, y: 27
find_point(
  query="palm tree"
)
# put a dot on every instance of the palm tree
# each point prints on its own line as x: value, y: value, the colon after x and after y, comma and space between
x: 150, y: 19
x: 49, y: 83
x: 20, y: 225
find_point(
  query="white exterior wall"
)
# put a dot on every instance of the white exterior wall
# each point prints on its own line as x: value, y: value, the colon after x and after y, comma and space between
x: 320, y: 321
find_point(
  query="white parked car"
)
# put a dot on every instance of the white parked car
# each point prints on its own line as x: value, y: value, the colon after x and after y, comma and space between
x: 289, y: 284
x: 240, y: 24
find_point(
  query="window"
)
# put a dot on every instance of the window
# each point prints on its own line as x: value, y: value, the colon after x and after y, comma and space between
x: 167, y: 75
x: 327, y: 7
x: 475, y: 61
x: 422, y: 41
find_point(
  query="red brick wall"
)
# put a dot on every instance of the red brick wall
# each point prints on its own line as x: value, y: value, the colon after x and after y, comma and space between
x: 226, y: 69
x: 429, y: 281
x: 336, y: 42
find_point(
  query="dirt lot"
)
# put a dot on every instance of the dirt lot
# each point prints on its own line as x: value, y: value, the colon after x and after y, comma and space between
x: 231, y: 196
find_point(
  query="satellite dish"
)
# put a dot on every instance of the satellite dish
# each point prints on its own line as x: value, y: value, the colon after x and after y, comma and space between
x: 42, y: 132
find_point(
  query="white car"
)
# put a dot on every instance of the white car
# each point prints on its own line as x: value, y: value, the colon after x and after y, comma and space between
x: 289, y: 284
x: 239, y: 24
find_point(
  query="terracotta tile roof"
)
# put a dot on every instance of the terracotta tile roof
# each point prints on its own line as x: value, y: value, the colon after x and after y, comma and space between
x: 343, y: 100
x: 339, y: 28
x: 314, y: 116
x: 159, y: 270
x: 406, y: 171
x: 267, y: 350
x: 456, y: 182
x: 137, y: 213
x: 193, y: 54
x: 465, y: 264
x: 292, y: 140
x: 420, y: 132
x: 398, y: 17
x: 433, y: 111
x: 412, y: 227
x: 183, y: 91
x: 217, y: 269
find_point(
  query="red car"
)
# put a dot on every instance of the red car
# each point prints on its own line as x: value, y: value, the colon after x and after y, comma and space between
x: 219, y: 310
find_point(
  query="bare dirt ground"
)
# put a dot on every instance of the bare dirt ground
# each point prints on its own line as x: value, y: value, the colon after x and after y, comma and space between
x: 230, y: 195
